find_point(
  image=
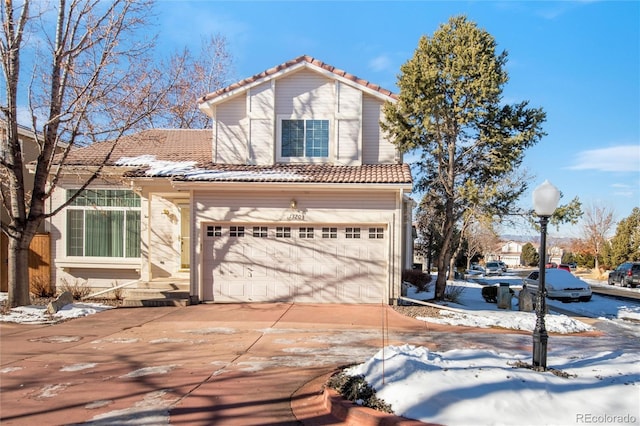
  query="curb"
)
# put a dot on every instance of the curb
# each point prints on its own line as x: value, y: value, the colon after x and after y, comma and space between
x: 316, y: 404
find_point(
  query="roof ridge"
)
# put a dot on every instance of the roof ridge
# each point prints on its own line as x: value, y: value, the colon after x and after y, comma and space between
x: 302, y: 58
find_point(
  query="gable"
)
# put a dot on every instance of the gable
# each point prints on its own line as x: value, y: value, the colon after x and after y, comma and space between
x: 252, y: 120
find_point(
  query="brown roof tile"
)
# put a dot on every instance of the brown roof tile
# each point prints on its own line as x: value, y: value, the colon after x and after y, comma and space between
x: 300, y: 173
x: 164, y: 144
x: 185, y: 155
x: 288, y: 64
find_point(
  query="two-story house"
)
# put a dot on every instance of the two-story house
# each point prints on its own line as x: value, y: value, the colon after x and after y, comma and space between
x: 294, y: 194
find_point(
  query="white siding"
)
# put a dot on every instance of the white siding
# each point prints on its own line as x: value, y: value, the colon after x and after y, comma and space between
x: 260, y: 109
x: 261, y: 148
x: 93, y: 272
x: 273, y: 208
x: 348, y: 137
x: 231, y: 139
x: 305, y: 94
x: 375, y: 147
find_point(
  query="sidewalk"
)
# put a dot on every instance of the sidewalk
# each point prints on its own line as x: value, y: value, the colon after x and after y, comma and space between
x: 222, y: 364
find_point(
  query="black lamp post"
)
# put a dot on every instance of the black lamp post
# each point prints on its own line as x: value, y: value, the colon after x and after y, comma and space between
x: 545, y: 201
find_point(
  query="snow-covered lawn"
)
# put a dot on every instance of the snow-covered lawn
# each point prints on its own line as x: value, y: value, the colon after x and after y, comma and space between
x: 484, y: 387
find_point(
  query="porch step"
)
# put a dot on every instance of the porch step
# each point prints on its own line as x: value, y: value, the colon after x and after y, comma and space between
x: 141, y: 297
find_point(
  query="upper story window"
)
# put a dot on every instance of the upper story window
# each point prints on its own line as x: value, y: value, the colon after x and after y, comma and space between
x: 304, y: 139
x: 103, y: 223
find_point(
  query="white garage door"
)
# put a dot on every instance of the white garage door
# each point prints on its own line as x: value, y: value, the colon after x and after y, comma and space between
x: 311, y: 263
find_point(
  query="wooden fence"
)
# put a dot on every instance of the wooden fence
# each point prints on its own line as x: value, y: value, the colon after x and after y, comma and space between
x: 39, y: 261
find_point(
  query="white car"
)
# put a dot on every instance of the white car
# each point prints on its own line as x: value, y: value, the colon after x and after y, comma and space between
x: 560, y: 285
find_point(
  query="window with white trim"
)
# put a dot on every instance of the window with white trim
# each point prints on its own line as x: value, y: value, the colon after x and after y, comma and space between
x: 305, y: 232
x: 236, y: 231
x: 304, y: 138
x: 283, y: 232
x: 352, y: 232
x: 214, y: 231
x: 260, y: 231
x: 329, y: 232
x: 376, y: 233
x: 103, y: 223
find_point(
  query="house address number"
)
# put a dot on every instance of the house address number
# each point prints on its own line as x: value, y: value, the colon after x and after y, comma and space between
x: 296, y: 216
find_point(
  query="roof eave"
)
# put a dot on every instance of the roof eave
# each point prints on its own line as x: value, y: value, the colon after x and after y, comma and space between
x: 182, y: 185
x: 206, y: 104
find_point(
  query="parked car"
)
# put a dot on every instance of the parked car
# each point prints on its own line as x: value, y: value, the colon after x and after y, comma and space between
x: 493, y: 268
x: 625, y: 275
x: 476, y: 269
x: 551, y: 265
x: 565, y: 267
x: 560, y: 285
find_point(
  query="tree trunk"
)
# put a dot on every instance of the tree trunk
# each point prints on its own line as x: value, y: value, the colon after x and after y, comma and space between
x: 18, y: 271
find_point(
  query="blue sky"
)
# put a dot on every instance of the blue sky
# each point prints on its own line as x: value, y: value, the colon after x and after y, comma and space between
x: 579, y: 61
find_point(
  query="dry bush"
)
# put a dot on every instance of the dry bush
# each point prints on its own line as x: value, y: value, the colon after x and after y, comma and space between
x: 41, y: 287
x: 118, y: 293
x: 78, y: 288
x: 356, y: 389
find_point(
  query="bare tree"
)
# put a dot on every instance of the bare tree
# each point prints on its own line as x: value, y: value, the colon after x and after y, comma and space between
x: 192, y: 77
x: 597, y: 222
x: 90, y: 83
x: 480, y: 238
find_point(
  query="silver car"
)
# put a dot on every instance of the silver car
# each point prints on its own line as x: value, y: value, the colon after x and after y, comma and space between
x: 560, y: 285
x: 493, y: 268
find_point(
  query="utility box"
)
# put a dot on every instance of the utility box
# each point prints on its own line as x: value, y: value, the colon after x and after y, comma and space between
x: 504, y: 296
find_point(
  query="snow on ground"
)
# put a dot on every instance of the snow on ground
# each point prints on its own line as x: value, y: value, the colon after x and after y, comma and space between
x: 472, y: 310
x: 485, y: 387
x: 37, y: 314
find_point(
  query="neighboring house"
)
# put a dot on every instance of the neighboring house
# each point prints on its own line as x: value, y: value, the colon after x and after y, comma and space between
x: 294, y: 195
x: 508, y: 252
x: 30, y: 153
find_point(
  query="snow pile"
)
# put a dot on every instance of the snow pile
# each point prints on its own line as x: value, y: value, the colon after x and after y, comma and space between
x: 482, y: 387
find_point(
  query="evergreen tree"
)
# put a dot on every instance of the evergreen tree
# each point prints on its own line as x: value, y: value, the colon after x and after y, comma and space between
x: 529, y: 255
x: 450, y: 111
x: 625, y: 245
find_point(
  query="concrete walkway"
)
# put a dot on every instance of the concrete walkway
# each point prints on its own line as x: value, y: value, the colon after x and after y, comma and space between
x: 215, y: 364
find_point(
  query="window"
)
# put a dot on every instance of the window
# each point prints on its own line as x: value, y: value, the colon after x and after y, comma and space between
x: 376, y: 233
x: 305, y: 138
x: 214, y: 231
x: 103, y: 223
x: 283, y: 232
x: 352, y: 233
x: 260, y: 231
x: 329, y: 232
x: 305, y: 233
x: 236, y: 231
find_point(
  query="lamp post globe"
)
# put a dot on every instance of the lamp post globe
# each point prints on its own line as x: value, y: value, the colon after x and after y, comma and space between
x: 545, y: 202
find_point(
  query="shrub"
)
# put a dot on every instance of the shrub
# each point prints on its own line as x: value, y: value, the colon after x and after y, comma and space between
x: 356, y: 389
x: 40, y: 287
x: 78, y: 288
x: 452, y: 293
x: 418, y: 278
x: 117, y: 292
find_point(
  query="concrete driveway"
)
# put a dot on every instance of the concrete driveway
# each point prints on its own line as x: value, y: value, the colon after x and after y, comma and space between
x: 222, y: 364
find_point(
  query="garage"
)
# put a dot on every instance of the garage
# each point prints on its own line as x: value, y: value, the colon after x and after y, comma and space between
x: 293, y: 262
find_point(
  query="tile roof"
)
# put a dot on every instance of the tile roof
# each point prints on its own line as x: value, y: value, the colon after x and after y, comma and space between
x: 185, y: 155
x: 299, y: 60
x: 297, y: 173
x: 164, y: 144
